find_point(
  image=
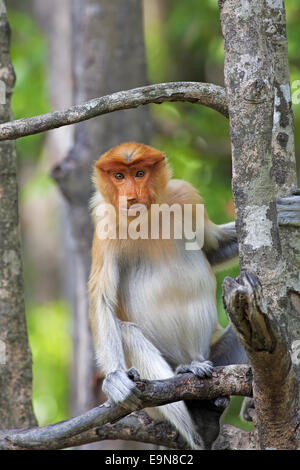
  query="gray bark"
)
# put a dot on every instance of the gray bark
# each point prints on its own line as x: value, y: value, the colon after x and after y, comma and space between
x: 15, y: 358
x: 256, y: 78
x: 275, y: 392
x: 285, y: 178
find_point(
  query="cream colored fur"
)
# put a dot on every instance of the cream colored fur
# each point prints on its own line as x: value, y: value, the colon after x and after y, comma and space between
x: 167, y: 296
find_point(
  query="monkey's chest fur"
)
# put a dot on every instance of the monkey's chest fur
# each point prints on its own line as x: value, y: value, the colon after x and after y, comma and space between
x: 172, y: 300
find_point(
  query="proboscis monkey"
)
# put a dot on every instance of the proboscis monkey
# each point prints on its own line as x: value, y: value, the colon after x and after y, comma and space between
x: 153, y: 299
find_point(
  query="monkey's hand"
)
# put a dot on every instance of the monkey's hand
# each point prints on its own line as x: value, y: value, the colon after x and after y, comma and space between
x: 288, y: 209
x: 119, y: 386
x: 200, y: 369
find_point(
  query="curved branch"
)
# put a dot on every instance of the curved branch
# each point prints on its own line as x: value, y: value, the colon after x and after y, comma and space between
x: 138, y: 427
x: 225, y: 381
x: 207, y: 94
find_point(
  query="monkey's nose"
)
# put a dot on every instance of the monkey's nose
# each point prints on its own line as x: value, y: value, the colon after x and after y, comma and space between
x: 131, y: 200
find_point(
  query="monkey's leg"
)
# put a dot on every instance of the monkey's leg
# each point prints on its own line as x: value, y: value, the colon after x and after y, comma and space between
x: 227, y: 350
x: 141, y: 354
x: 206, y: 414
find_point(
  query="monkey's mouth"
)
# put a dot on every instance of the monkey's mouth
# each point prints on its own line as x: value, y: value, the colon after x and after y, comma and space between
x: 133, y: 210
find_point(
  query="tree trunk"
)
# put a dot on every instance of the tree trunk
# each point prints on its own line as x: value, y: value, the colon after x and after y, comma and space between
x: 15, y: 358
x: 285, y: 178
x: 108, y: 55
x: 256, y: 78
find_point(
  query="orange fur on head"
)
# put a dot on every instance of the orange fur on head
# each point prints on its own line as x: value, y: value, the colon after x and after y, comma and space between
x: 129, y: 160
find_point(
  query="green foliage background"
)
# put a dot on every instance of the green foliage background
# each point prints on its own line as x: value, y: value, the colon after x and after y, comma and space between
x: 183, y: 43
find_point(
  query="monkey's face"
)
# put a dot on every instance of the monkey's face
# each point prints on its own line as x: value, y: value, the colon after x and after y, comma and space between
x: 132, y: 188
x: 131, y: 176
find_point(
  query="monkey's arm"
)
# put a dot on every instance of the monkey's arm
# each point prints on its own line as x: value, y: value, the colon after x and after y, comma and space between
x: 220, y: 241
x: 110, y: 356
x: 220, y: 244
x: 106, y: 331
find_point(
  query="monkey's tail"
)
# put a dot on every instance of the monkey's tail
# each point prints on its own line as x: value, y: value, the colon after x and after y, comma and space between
x: 178, y: 415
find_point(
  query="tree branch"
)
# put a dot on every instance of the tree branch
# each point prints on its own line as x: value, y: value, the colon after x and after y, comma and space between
x: 232, y: 438
x: 275, y: 389
x: 210, y: 95
x: 225, y: 381
x: 137, y: 426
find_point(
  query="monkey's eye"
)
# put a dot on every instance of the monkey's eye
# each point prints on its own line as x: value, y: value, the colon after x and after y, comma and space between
x: 119, y: 176
x: 140, y: 174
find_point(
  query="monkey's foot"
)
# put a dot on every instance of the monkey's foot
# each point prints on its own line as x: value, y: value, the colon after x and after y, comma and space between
x: 200, y: 369
x: 119, y: 387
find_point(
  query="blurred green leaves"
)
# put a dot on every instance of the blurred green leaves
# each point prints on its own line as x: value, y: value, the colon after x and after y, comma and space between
x: 29, y: 58
x: 50, y: 342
